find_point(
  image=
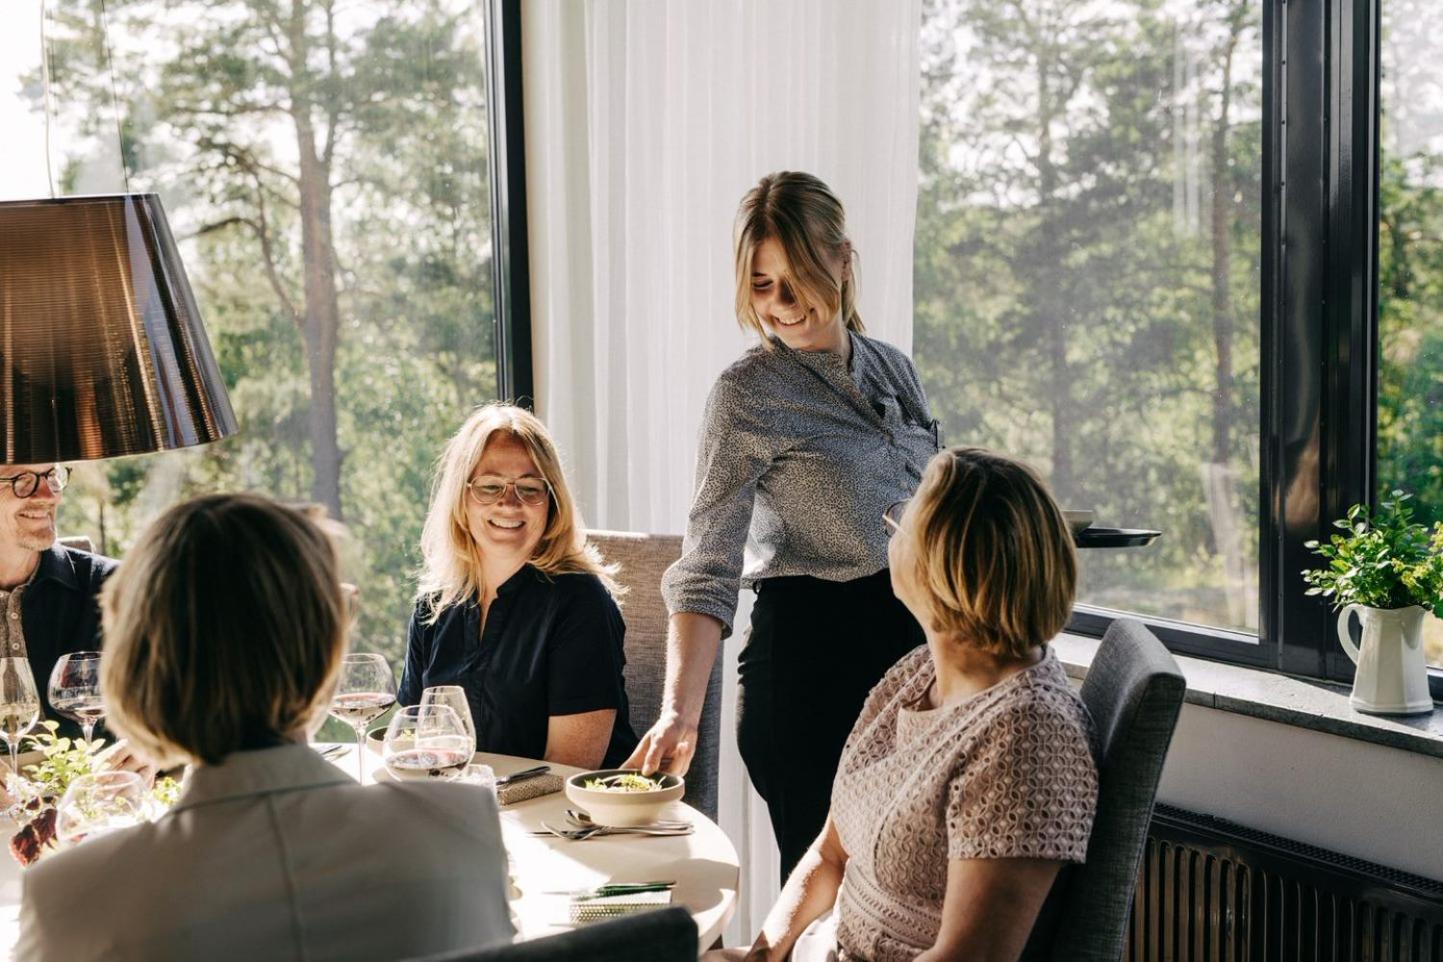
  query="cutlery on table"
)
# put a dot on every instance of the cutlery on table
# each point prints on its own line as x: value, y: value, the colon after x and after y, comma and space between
x: 522, y: 775
x: 581, y: 834
x: 582, y: 820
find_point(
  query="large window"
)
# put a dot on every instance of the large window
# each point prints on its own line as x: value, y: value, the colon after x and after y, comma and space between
x: 1410, y: 265
x: 326, y: 166
x: 1087, y: 276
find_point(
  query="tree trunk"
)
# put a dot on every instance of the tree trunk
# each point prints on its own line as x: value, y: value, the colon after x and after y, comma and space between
x: 1222, y: 302
x: 1218, y: 477
x: 1047, y: 297
x: 321, y: 326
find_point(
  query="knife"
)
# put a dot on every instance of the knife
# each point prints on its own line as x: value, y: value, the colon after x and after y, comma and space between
x: 523, y: 775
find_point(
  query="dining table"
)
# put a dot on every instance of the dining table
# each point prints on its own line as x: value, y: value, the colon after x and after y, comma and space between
x: 543, y: 868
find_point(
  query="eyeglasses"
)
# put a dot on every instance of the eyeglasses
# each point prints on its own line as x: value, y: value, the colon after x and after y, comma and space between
x: 490, y: 488
x: 892, y: 517
x: 27, y: 483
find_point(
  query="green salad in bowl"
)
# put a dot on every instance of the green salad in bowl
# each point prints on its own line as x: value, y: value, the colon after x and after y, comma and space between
x: 624, y: 797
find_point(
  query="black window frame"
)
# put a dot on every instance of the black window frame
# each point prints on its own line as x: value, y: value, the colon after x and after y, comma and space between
x: 1319, y: 330
x: 511, y: 265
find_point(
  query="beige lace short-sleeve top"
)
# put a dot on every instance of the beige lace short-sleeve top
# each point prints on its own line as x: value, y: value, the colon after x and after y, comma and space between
x: 1008, y: 773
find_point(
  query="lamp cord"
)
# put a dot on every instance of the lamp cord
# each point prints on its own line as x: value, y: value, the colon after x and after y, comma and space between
x: 45, y: 86
x: 114, y: 94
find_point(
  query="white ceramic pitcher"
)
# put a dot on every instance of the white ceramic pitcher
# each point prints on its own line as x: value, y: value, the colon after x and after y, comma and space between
x: 1392, y: 676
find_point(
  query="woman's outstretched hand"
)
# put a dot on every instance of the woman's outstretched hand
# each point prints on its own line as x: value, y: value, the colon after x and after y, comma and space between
x: 668, y: 746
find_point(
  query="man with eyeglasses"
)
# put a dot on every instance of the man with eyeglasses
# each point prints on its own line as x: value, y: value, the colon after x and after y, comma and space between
x: 48, y: 592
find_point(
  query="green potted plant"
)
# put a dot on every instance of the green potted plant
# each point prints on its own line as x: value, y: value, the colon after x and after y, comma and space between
x: 1388, y: 570
x: 44, y: 782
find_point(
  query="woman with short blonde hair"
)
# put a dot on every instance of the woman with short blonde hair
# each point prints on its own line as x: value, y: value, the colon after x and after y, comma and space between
x: 265, y: 664
x: 514, y: 605
x: 223, y: 632
x: 805, y: 440
x: 992, y: 553
x: 969, y: 778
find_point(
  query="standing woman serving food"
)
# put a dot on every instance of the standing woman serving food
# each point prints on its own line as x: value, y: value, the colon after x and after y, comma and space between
x: 805, y: 442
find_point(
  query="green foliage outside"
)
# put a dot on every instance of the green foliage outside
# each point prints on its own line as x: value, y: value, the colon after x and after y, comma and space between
x: 1086, y: 272
x: 325, y: 167
x: 1086, y: 280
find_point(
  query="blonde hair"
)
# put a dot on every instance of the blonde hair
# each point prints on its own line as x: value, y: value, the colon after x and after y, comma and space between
x: 803, y: 215
x: 224, y: 629
x: 992, y: 550
x: 451, y: 568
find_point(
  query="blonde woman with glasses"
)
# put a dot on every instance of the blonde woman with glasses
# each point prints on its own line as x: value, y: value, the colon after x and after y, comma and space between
x: 969, y: 779
x: 514, y: 606
x: 805, y: 440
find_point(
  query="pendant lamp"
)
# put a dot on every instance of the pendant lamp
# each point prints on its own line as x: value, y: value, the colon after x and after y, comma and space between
x: 102, y: 350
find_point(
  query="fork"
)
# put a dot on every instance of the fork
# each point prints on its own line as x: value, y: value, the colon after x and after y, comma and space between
x: 581, y: 834
x: 583, y: 820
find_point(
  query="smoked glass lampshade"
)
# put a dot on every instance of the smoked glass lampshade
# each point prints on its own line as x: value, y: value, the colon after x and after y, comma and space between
x: 102, y: 350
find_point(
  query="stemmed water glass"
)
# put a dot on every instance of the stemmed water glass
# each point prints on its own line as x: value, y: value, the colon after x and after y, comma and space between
x: 19, y: 705
x: 365, y: 690
x: 454, y: 698
x: 75, y: 689
x: 99, y: 804
x: 428, y: 741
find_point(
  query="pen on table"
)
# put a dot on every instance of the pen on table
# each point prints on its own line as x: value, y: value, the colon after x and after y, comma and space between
x: 617, y: 888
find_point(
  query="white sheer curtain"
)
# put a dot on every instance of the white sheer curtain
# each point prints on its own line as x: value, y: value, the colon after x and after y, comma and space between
x: 646, y: 121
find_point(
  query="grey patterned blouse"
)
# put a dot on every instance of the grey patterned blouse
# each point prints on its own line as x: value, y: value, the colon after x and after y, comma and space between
x: 799, y: 457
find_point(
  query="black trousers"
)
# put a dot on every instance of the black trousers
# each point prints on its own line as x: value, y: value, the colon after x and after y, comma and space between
x: 815, y: 650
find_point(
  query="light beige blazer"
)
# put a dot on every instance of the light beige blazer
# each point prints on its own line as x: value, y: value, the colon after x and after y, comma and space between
x: 277, y: 855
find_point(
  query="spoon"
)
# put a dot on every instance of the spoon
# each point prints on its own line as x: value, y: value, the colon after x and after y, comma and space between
x: 584, y: 820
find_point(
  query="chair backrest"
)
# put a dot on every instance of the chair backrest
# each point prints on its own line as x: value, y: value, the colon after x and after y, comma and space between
x: 1134, y: 692
x: 644, y: 558
x: 666, y: 935
x: 80, y: 541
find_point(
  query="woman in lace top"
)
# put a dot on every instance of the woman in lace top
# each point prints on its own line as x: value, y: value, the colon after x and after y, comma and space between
x: 969, y: 779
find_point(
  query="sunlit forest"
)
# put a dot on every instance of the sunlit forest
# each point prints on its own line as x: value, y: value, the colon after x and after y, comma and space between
x: 325, y: 165
x: 1086, y: 274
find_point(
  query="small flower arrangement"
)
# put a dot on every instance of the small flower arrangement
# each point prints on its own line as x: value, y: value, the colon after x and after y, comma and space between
x: 65, y: 759
x: 1386, y: 559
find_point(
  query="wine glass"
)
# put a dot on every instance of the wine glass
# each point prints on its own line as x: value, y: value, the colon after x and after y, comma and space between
x: 365, y: 690
x: 75, y: 689
x: 427, y: 741
x: 99, y: 804
x: 19, y: 705
x: 454, y: 698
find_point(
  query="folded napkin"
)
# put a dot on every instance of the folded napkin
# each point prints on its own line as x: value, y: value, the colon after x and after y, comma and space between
x: 527, y: 788
x: 593, y: 908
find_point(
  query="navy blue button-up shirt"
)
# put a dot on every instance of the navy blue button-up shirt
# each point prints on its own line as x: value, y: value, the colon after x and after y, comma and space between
x: 552, y: 645
x: 60, y: 614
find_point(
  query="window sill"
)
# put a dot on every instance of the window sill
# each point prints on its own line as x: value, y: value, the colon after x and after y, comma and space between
x: 1302, y: 703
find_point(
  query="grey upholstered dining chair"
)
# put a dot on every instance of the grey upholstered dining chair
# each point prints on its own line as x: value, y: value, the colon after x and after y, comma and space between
x: 643, y: 559
x: 666, y: 935
x: 1134, y: 691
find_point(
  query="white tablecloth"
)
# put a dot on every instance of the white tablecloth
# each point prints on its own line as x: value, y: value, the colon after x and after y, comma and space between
x: 703, y: 864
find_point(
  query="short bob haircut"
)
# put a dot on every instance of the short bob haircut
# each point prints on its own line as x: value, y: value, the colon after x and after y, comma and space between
x: 451, y: 569
x: 991, y: 550
x: 224, y: 629
x: 807, y: 220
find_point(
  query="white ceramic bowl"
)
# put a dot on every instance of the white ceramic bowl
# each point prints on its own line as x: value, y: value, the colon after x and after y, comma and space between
x: 623, y: 808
